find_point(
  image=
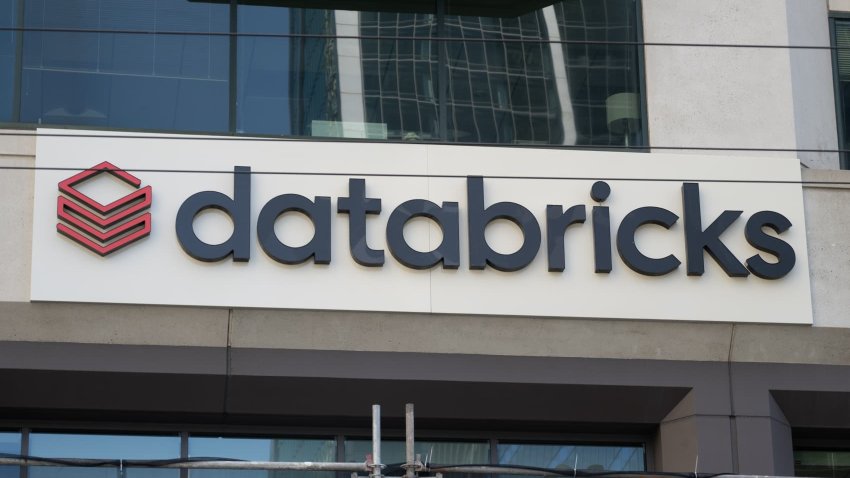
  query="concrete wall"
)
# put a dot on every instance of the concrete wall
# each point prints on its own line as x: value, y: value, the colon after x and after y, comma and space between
x: 741, y: 97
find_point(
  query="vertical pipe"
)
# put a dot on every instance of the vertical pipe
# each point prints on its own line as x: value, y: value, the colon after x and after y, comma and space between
x: 410, y: 469
x: 376, y: 441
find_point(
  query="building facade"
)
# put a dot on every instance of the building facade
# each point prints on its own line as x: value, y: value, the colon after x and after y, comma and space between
x: 175, y: 347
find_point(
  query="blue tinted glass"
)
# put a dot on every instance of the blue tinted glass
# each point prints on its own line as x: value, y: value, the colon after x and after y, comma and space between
x: 10, y: 443
x: 8, y: 16
x: 441, y: 452
x: 123, y: 80
x: 583, y: 457
x: 291, y: 85
x: 58, y: 445
x: 262, y: 449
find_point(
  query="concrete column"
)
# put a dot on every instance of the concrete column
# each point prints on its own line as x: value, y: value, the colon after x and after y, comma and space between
x: 764, y: 443
x: 689, y: 439
x: 812, y: 82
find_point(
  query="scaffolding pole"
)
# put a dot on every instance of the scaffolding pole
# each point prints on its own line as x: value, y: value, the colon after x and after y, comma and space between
x: 410, y: 465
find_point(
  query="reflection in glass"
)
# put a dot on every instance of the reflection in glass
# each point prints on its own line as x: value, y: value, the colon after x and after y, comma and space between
x: 514, y: 80
x: 128, y: 447
x: 527, y: 77
x: 286, y: 83
x: 8, y: 15
x: 400, y: 74
x: 440, y: 452
x: 583, y: 457
x: 166, y: 82
x: 262, y: 449
x: 10, y: 443
x: 501, y: 81
x: 827, y: 464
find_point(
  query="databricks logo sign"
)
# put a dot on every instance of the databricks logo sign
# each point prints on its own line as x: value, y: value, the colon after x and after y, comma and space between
x: 103, y: 228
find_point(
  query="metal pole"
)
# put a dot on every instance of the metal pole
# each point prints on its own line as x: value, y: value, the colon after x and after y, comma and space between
x: 376, y: 441
x: 307, y: 466
x: 410, y: 464
x: 210, y: 465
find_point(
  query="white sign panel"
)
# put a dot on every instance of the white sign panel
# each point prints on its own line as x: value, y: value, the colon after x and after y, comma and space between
x: 606, y: 235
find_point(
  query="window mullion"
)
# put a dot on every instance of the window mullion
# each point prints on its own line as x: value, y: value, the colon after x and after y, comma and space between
x: 232, y: 66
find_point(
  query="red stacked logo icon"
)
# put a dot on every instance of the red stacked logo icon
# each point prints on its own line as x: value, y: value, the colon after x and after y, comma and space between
x: 104, y: 228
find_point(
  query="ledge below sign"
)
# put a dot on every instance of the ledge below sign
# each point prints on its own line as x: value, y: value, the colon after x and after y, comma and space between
x: 419, y: 228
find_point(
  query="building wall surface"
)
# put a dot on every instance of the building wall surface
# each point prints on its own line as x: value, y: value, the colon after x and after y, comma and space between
x: 735, y: 397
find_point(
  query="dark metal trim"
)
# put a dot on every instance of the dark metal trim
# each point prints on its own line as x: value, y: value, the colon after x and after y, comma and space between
x: 843, y: 159
x: 442, y: 72
x: 232, y: 67
x: 184, y: 452
x: 19, y: 64
x: 25, y: 450
x: 641, y: 66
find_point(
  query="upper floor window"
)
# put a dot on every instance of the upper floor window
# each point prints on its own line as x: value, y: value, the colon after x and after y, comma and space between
x: 564, y: 74
x: 841, y: 40
x: 80, y: 67
x: 8, y: 51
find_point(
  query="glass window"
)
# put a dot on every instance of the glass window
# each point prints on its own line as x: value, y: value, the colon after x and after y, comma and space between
x: 842, y: 83
x: 10, y: 443
x: 126, y: 80
x: 8, y: 16
x: 440, y: 452
x: 404, y: 81
x: 557, y: 92
x: 128, y: 447
x: 262, y: 449
x: 827, y: 464
x: 286, y: 83
x: 524, y: 76
x: 582, y: 457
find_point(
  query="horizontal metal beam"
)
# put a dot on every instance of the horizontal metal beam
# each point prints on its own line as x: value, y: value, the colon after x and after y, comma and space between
x: 219, y: 465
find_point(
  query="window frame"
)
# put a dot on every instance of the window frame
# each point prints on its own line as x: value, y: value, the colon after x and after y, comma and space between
x: 185, y: 432
x: 843, y: 158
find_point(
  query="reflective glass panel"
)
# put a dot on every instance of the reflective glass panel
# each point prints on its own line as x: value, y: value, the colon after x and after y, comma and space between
x: 169, y: 81
x: 286, y: 83
x: 8, y: 17
x: 440, y: 452
x: 295, y: 79
x: 517, y: 74
x: 262, y: 449
x: 583, y: 457
x: 516, y: 78
x: 827, y: 464
x: 400, y: 77
x: 10, y: 443
x: 842, y: 41
x: 129, y: 447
